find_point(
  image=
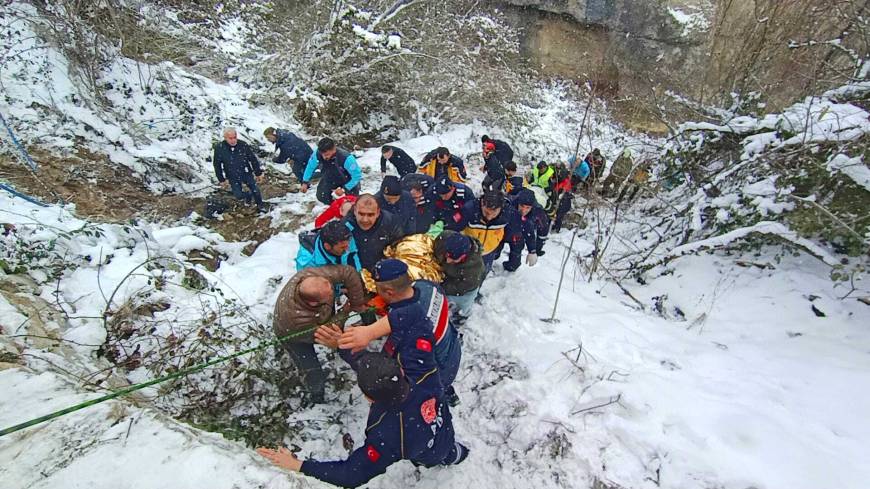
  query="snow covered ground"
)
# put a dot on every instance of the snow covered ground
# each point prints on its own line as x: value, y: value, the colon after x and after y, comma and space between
x: 743, y: 387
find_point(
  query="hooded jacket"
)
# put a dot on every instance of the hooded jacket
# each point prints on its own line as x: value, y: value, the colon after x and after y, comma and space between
x: 459, y: 278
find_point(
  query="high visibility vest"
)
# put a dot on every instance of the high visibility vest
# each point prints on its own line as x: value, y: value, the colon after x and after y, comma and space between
x: 542, y: 179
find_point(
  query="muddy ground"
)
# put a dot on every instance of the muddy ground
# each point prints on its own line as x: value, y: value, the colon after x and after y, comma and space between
x: 103, y: 191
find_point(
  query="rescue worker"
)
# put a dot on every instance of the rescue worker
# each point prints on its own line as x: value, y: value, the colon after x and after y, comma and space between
x: 541, y: 176
x: 398, y: 202
x: 531, y: 227
x: 460, y: 258
x: 596, y: 163
x: 513, y: 182
x: 493, y: 166
x: 625, y: 175
x: 452, y: 197
x: 407, y: 420
x: 399, y: 158
x: 502, y: 150
x: 439, y: 163
x: 331, y: 245
x: 308, y: 300
x: 421, y: 188
x: 485, y: 220
x: 411, y: 305
x: 236, y: 164
x: 292, y: 149
x: 339, y: 172
x: 372, y: 229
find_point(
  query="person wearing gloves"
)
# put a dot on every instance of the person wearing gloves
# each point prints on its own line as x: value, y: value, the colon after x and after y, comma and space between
x: 530, y: 226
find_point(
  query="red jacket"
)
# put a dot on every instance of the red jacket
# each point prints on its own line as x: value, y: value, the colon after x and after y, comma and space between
x: 333, y: 211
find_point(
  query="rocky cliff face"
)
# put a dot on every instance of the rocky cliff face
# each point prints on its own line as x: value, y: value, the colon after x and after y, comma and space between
x: 624, y: 47
x: 634, y: 50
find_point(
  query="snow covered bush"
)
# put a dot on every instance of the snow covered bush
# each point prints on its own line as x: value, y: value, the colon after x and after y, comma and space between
x: 798, y: 178
x: 369, y: 69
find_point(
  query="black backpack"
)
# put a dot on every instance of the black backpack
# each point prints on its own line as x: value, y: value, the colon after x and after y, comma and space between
x: 215, y: 204
x: 307, y: 239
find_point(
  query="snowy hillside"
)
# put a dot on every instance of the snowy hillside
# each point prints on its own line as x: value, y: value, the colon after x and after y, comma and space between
x: 735, y: 392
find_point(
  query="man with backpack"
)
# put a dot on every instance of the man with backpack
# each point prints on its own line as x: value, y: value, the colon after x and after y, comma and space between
x: 333, y: 244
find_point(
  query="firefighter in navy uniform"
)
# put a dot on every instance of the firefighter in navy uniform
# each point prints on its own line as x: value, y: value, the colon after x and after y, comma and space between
x: 530, y: 226
x: 411, y: 304
x: 451, y: 198
x: 408, y: 420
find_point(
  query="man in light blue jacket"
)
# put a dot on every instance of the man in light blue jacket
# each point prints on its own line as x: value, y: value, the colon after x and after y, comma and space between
x: 333, y: 244
x: 340, y: 173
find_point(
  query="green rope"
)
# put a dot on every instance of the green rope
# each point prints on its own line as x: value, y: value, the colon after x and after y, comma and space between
x: 180, y: 373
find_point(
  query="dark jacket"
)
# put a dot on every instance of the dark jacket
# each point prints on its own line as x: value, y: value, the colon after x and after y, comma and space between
x: 531, y: 228
x: 420, y: 429
x: 293, y: 314
x: 291, y: 147
x: 231, y: 162
x: 405, y: 211
x: 425, y: 181
x: 503, y: 151
x: 460, y: 278
x: 450, y: 211
x: 425, y: 210
x: 514, y: 184
x: 494, y: 167
x: 404, y: 164
x: 371, y: 243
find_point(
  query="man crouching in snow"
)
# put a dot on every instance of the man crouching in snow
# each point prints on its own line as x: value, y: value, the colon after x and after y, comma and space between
x: 408, y: 420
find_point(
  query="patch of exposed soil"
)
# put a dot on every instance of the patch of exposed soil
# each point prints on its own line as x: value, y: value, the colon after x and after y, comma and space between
x: 107, y: 192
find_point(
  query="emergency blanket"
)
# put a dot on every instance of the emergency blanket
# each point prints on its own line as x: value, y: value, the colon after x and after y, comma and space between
x: 417, y: 251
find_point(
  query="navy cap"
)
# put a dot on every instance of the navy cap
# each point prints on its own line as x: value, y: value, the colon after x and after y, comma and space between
x: 457, y: 245
x: 391, y: 186
x: 389, y: 269
x: 443, y: 186
x: 526, y: 197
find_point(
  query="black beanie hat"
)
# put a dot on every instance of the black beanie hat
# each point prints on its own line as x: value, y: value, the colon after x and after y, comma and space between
x: 381, y: 378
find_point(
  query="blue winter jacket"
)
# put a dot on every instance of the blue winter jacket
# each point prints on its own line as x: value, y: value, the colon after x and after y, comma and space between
x: 291, y: 147
x: 343, y: 164
x: 312, y: 254
x: 583, y: 170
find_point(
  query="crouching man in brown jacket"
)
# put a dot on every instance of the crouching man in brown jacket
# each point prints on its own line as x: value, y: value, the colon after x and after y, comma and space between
x: 307, y: 300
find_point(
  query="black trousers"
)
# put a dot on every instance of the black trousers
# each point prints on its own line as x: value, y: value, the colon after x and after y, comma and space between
x: 313, y: 376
